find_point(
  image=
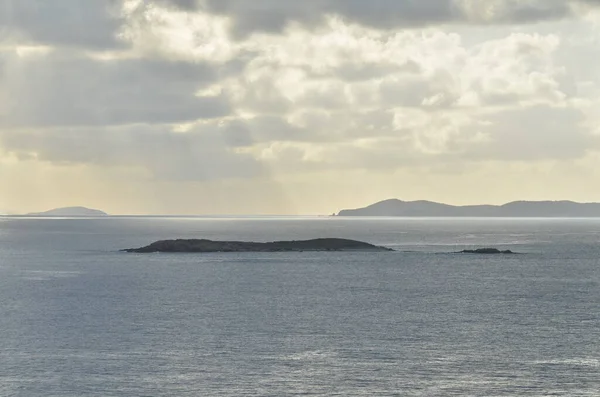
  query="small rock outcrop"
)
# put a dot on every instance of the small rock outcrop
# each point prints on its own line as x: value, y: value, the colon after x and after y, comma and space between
x: 487, y: 251
x: 199, y: 246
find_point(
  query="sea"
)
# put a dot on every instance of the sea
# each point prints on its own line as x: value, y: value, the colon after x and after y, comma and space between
x: 80, y: 318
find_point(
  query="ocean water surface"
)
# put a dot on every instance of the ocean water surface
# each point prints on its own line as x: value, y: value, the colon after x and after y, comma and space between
x: 80, y: 318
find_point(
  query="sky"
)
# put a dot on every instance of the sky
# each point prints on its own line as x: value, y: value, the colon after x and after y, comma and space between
x: 296, y: 107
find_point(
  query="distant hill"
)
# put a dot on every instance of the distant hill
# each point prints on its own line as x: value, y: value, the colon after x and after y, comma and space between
x: 534, y: 209
x: 71, y: 211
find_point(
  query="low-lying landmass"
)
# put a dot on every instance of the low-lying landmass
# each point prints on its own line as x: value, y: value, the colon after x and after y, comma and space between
x: 200, y: 246
x: 71, y: 211
x: 517, y: 209
x: 487, y: 251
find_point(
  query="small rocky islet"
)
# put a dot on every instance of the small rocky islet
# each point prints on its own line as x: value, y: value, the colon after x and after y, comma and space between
x: 207, y: 246
x: 487, y: 251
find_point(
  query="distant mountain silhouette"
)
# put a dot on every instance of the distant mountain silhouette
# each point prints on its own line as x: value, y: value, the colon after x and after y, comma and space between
x: 70, y: 211
x: 535, y: 209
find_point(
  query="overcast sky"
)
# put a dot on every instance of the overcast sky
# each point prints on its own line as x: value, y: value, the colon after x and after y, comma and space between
x: 296, y: 107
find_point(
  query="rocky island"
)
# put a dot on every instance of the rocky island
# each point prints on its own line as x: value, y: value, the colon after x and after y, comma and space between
x: 487, y: 251
x: 200, y: 246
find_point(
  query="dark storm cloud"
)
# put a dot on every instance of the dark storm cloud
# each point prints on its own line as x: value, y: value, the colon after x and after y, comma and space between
x: 61, y: 89
x: 92, y: 24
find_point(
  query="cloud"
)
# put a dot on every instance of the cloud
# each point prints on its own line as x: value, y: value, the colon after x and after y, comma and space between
x: 517, y: 69
x: 90, y: 24
x: 165, y: 155
x: 535, y: 133
x: 348, y: 97
x: 444, y: 141
x: 99, y: 24
x: 62, y: 89
x: 163, y: 93
x: 350, y: 69
x: 274, y: 16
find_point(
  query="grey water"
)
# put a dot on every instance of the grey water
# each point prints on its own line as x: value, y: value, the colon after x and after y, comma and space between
x: 80, y: 318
